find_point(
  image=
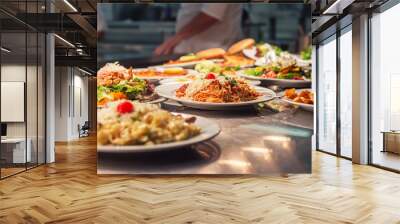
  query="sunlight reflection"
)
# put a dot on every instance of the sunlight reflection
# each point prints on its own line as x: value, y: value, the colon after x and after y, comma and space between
x: 277, y: 138
x: 235, y: 163
x: 278, y: 141
x: 266, y: 153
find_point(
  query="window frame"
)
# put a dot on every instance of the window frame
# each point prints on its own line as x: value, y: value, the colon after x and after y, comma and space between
x: 339, y: 31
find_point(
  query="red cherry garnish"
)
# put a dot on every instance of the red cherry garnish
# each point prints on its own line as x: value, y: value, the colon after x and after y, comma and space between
x: 125, y: 107
x: 210, y: 76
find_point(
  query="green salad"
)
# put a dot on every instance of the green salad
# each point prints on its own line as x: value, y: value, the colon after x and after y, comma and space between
x: 207, y: 67
x: 262, y: 49
x: 289, y: 75
x: 211, y: 67
x: 126, y: 89
x: 306, y: 54
x: 275, y: 72
x: 258, y: 71
x: 278, y: 50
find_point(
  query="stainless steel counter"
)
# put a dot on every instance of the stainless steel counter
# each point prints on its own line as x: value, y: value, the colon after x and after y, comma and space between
x: 252, y: 141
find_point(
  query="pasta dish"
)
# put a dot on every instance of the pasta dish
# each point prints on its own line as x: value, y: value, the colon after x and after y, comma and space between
x: 129, y: 123
x: 218, y: 89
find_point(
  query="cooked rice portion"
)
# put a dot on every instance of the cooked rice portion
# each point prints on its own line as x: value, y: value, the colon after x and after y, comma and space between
x: 147, y: 124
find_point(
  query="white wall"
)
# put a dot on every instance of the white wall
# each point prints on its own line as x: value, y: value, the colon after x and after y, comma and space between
x: 82, y: 83
x: 16, y: 73
x: 61, y: 103
x: 71, y: 102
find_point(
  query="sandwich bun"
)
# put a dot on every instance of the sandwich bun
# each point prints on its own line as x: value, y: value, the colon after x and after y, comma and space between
x: 187, y: 58
x: 241, y: 45
x: 175, y: 71
x: 211, y: 53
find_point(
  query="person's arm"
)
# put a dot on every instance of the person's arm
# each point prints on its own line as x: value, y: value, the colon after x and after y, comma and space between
x: 198, y: 24
x: 101, y: 24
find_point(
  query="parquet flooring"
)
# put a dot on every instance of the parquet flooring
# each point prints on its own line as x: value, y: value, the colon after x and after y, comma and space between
x: 10, y: 171
x: 69, y: 191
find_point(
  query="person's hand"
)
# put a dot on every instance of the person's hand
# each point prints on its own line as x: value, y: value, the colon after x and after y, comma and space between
x: 168, y: 46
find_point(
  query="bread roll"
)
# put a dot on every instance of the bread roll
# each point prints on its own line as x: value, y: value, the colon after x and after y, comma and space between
x: 241, y: 45
x: 211, y: 53
x: 174, y: 71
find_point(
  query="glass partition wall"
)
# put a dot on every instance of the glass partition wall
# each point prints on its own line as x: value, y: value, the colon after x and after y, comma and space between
x: 334, y: 86
x: 385, y: 89
x: 326, y: 93
x: 345, y: 91
x: 22, y: 77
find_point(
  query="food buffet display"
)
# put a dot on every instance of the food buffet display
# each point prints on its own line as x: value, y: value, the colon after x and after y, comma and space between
x: 133, y: 117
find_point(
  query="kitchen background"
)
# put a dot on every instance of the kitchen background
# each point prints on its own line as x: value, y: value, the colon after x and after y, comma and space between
x: 135, y: 30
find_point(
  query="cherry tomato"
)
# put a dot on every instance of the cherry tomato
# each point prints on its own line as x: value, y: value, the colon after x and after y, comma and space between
x: 210, y: 76
x: 125, y: 107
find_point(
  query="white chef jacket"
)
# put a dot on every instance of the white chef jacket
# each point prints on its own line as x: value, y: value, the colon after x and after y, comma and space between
x: 222, y: 34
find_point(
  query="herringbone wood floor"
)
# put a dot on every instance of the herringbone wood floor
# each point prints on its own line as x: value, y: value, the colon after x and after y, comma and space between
x: 69, y: 191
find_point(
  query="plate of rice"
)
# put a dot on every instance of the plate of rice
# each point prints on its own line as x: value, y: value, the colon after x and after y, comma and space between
x: 127, y: 126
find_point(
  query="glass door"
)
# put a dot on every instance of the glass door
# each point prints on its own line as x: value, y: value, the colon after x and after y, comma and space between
x: 326, y: 96
x: 346, y: 92
x: 14, y: 145
x: 385, y: 89
x: 22, y: 77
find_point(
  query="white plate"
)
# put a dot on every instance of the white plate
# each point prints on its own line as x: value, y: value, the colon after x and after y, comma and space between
x: 252, y: 52
x: 209, y: 130
x: 304, y: 106
x: 158, y: 100
x: 189, y: 64
x: 283, y: 81
x: 156, y: 79
x: 261, y: 61
x: 183, y: 80
x: 168, y: 91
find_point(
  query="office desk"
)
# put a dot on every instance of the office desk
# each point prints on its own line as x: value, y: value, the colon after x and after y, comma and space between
x: 13, y: 150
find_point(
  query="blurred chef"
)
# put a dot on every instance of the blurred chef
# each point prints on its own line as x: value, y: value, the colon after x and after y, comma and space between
x: 201, y: 26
